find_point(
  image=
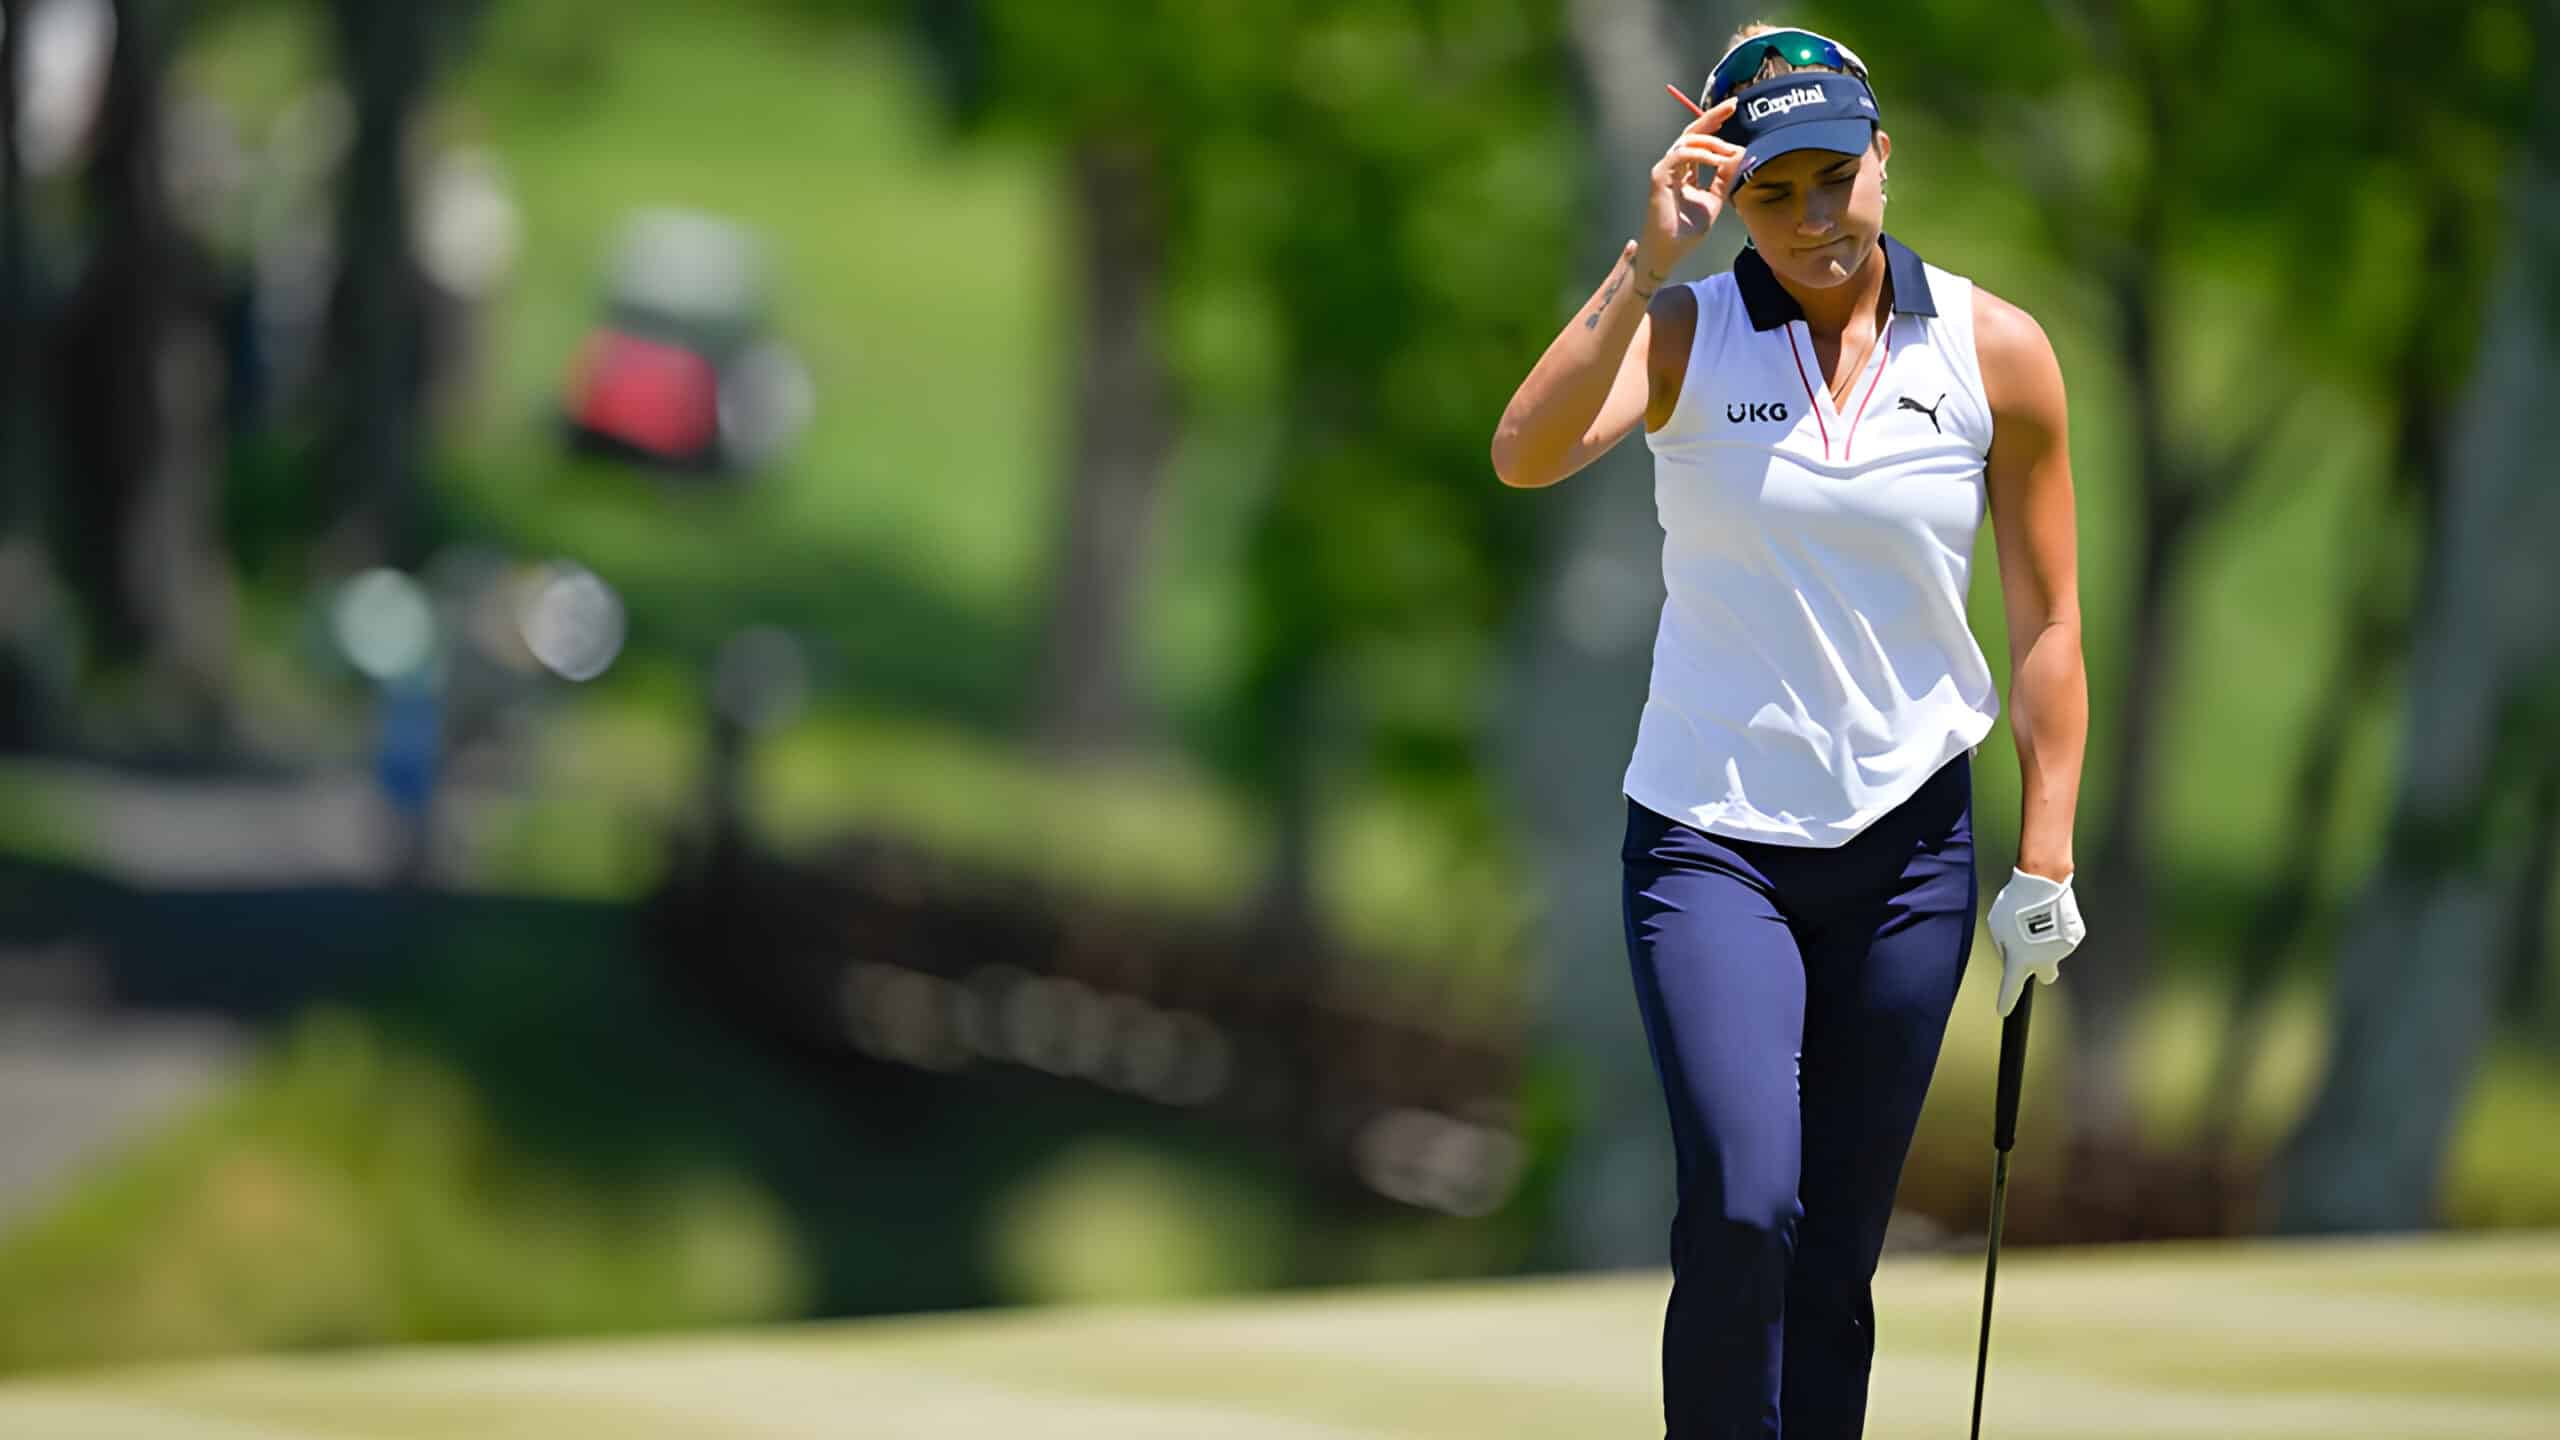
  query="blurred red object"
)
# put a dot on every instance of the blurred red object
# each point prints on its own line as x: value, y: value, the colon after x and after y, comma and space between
x: 650, y: 396
x: 680, y: 370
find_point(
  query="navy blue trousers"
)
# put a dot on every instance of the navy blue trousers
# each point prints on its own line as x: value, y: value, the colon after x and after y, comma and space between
x: 1794, y: 1000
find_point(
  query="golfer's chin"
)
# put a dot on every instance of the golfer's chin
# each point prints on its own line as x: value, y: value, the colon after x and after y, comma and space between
x: 1822, y: 266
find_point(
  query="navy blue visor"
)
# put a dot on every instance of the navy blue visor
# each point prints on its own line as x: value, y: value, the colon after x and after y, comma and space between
x: 1808, y: 110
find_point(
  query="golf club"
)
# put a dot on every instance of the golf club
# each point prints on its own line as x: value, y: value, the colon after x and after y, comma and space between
x: 2004, y: 1133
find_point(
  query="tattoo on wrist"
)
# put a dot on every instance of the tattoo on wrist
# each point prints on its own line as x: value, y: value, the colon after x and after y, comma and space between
x: 1617, y: 278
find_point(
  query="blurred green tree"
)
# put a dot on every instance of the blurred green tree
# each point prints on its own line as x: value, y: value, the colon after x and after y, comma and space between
x: 2422, y: 183
x: 1582, y: 653
x: 2172, y: 152
x: 1125, y: 101
x: 24, y: 557
x: 136, y: 376
x: 1335, y: 202
x: 1419, y: 184
x: 2419, y: 971
x: 388, y: 57
x: 118, y: 487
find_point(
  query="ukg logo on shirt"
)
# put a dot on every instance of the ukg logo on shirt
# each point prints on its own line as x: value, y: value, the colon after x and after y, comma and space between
x: 1737, y: 411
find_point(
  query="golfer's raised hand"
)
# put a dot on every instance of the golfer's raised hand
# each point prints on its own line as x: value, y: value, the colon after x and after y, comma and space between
x: 1690, y: 183
x: 2035, y: 922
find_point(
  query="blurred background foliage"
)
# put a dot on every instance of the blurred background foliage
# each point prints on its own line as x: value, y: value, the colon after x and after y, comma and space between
x: 1138, y: 550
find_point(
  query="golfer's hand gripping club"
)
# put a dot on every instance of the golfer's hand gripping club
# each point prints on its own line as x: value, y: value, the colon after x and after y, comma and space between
x: 2035, y: 922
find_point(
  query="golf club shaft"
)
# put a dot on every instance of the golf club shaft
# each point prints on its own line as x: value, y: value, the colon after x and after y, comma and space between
x: 1990, y: 1279
x: 2013, y: 1070
x: 2004, y: 1134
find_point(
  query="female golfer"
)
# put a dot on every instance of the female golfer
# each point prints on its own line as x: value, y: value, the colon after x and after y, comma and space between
x: 1829, y: 423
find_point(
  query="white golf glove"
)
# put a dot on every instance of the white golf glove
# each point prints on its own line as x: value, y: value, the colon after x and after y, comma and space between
x: 2034, y: 923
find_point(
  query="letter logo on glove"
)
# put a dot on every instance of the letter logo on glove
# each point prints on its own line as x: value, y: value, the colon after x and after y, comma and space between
x: 2035, y: 923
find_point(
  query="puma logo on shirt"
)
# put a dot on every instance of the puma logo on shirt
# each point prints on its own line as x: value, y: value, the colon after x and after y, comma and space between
x: 1907, y: 403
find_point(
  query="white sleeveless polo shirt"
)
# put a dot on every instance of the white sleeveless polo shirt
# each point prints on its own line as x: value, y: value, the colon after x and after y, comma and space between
x: 1814, y: 666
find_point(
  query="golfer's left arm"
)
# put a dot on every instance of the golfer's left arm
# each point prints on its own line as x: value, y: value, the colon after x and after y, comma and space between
x: 2033, y: 521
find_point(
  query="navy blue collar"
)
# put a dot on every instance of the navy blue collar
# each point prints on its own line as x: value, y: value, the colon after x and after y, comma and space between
x: 1771, y: 306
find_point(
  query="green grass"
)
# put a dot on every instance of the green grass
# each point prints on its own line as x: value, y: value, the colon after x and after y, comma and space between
x: 523, y: 1150
x: 2338, y: 1342
x: 2503, y: 1173
x: 357, y: 1185
x: 37, y: 820
x: 915, y: 274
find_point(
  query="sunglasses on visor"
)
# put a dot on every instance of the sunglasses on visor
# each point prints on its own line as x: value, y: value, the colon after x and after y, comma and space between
x: 1797, y: 47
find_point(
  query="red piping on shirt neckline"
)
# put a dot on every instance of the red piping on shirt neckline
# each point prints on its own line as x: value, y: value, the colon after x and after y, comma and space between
x: 1808, y: 392
x: 1848, y: 444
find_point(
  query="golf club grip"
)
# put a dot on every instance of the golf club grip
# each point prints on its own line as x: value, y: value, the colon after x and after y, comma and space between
x: 2013, y: 1070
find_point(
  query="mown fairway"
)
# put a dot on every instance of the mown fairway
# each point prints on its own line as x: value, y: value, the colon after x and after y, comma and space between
x: 2440, y: 1338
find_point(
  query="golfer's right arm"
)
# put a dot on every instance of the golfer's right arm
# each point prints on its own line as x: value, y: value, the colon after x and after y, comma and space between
x: 1595, y: 382
x: 1589, y: 390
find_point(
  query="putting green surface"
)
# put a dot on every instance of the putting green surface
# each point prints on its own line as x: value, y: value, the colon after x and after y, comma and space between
x: 2438, y: 1338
